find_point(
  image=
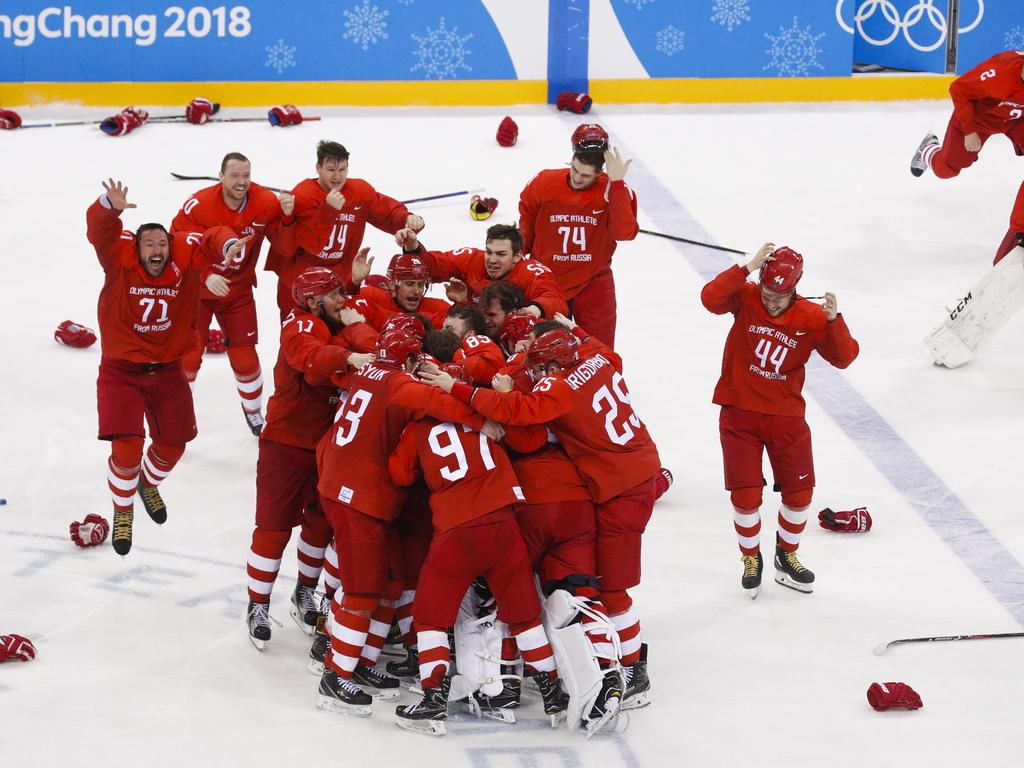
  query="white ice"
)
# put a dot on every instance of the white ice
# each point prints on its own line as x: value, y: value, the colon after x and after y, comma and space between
x: 145, y: 660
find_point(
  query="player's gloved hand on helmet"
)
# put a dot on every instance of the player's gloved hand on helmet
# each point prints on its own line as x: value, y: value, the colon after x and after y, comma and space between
x: 883, y: 696
x: 90, y: 532
x: 16, y: 648
x: 854, y: 521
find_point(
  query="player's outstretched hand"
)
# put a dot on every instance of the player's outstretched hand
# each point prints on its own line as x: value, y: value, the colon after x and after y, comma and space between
x: 358, y: 359
x: 235, y: 249
x: 414, y: 222
x: 361, y: 265
x: 457, y: 292
x: 493, y: 430
x: 764, y: 253
x: 287, y: 201
x: 614, y: 165
x: 567, y: 322
x: 117, y: 194
x: 831, y: 307
x: 218, y: 285
x: 406, y: 239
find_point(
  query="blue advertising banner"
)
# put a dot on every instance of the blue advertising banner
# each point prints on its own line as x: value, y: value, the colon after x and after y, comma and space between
x: 902, y: 34
x: 987, y: 29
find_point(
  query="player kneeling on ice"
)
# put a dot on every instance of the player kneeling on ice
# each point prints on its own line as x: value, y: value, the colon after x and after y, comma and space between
x: 773, y: 334
x: 473, y: 494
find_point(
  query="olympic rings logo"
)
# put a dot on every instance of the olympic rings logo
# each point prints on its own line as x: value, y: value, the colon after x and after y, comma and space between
x: 913, y: 15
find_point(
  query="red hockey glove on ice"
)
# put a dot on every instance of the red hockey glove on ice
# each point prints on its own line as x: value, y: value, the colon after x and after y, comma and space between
x: 215, y: 343
x: 90, y: 532
x: 126, y: 121
x: 9, y: 120
x: 199, y: 110
x: 508, y: 132
x: 16, y: 648
x: 574, y: 102
x: 855, y: 521
x: 883, y: 696
x: 481, y: 208
x: 74, y: 335
x: 284, y: 116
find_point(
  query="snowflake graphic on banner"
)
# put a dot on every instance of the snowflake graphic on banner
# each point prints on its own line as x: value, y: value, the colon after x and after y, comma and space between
x: 365, y: 24
x: 794, y: 52
x: 639, y: 3
x: 730, y: 13
x: 280, y: 56
x: 442, y: 53
x: 1014, y: 39
x: 670, y: 40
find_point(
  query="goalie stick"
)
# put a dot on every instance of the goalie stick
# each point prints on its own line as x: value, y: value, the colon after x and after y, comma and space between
x: 883, y: 647
x: 692, y: 242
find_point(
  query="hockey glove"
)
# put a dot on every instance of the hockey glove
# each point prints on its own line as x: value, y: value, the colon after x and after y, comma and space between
x: 215, y: 342
x: 199, y: 110
x: 284, y: 116
x: 574, y: 102
x: 662, y: 482
x: 508, y: 132
x: 74, y: 335
x: 9, y: 120
x: 90, y: 532
x: 126, y: 121
x: 855, y: 521
x: 883, y: 696
x: 481, y: 208
x: 16, y: 648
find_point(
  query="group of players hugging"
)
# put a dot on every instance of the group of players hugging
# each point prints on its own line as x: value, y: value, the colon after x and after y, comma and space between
x: 468, y: 469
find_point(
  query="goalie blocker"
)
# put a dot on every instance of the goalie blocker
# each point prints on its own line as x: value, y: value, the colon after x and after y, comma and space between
x: 980, y: 313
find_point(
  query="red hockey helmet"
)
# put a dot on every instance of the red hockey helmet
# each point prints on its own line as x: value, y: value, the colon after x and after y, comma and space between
x: 408, y: 266
x: 515, y: 328
x: 376, y: 281
x: 396, y: 346
x: 557, y: 346
x: 589, y: 137
x: 313, y: 283
x: 406, y: 323
x: 783, y: 272
x: 457, y: 372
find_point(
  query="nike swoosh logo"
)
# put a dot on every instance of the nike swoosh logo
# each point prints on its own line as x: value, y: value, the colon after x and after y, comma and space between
x: 800, y: 333
x: 357, y: 208
x: 803, y: 476
x: 597, y: 212
x: 255, y: 224
x: 253, y: 333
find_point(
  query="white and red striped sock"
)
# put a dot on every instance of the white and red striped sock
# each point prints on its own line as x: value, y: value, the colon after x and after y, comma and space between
x: 156, y: 465
x: 403, y: 611
x: 929, y: 153
x: 535, y: 649
x: 791, y: 527
x: 310, y: 553
x: 332, y: 574
x: 377, y: 635
x: 122, y: 484
x: 348, y: 636
x: 747, y: 523
x: 628, y: 626
x: 250, y: 390
x: 435, y: 655
x: 264, y: 562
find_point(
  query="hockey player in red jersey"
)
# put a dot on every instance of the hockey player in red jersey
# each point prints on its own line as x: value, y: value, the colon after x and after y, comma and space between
x: 320, y: 337
x: 332, y: 211
x: 481, y: 357
x: 473, y: 494
x: 573, y: 219
x: 584, y: 401
x: 362, y: 503
x: 501, y: 260
x: 408, y: 279
x: 146, y: 310
x: 988, y: 100
x: 248, y: 209
x: 773, y: 333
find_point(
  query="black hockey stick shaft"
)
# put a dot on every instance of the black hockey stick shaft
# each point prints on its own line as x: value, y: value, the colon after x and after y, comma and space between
x: 883, y: 647
x: 692, y: 242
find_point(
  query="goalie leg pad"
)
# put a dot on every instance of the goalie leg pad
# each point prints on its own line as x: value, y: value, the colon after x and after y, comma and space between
x: 477, y: 650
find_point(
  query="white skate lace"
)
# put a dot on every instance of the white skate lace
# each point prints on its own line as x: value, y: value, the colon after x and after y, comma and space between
x: 306, y: 599
x: 260, y: 614
x: 348, y: 685
x: 254, y: 419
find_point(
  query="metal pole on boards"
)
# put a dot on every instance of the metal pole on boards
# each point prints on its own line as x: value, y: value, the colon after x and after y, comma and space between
x: 952, y: 35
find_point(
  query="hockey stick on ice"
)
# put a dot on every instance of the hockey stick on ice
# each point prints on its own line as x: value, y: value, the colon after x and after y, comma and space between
x: 883, y: 647
x: 692, y: 242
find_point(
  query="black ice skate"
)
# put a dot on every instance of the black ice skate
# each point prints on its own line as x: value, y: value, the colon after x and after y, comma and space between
x: 753, y: 565
x: 122, y: 538
x: 321, y: 640
x: 257, y: 618
x: 604, y: 713
x: 918, y: 165
x: 339, y: 694
x: 304, y: 608
x: 501, y: 706
x: 427, y: 715
x: 789, y: 572
x: 637, y: 693
x: 409, y: 667
x: 377, y: 684
x: 151, y: 500
x: 255, y: 421
x: 556, y: 700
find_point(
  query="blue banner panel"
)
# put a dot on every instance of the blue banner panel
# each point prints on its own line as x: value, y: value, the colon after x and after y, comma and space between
x: 903, y: 34
x: 736, y: 38
x: 261, y: 40
x: 986, y: 28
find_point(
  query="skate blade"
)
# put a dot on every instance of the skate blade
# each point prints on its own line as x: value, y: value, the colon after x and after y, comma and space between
x: 753, y: 593
x: 315, y: 667
x: 639, y: 701
x: 608, y: 723
x: 506, y: 716
x: 558, y: 719
x: 422, y: 727
x: 257, y: 644
x: 786, y: 581
x: 327, y: 704
x: 383, y: 694
x: 307, y: 629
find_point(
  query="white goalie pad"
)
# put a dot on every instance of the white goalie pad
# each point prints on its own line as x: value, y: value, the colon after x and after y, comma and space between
x: 979, y: 314
x: 477, y: 650
x: 576, y: 657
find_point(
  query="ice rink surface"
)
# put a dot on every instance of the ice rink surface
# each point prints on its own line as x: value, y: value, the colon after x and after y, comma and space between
x: 145, y: 661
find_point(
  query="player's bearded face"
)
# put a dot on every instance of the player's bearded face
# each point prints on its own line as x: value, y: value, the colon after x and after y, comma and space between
x: 408, y: 294
x: 775, y: 303
x: 499, y: 258
x: 154, y: 251
x: 332, y: 304
x: 332, y: 173
x: 494, y: 317
x: 581, y: 175
x: 235, y: 180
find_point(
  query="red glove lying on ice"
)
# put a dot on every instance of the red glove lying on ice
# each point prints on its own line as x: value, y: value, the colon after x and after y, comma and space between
x: 883, y: 696
x: 90, y: 532
x: 16, y: 648
x: 855, y: 521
